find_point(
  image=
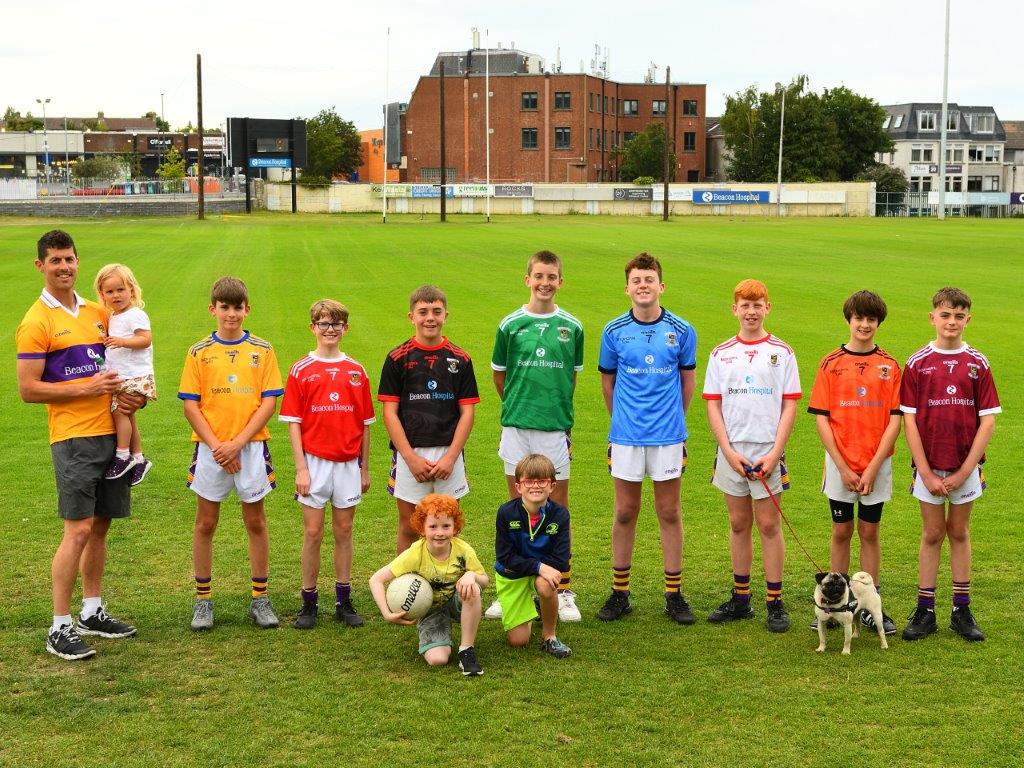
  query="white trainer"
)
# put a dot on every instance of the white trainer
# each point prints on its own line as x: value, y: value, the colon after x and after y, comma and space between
x: 567, y: 610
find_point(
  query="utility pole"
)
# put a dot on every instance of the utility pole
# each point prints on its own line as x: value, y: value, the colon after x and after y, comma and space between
x: 199, y: 119
x: 778, y: 183
x: 441, y: 102
x: 664, y: 204
x: 945, y: 112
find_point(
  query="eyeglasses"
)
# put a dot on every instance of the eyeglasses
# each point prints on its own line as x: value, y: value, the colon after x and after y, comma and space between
x: 326, y: 326
x: 535, y: 482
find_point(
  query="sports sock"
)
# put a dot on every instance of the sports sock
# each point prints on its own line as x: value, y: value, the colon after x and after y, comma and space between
x: 60, y: 621
x: 464, y: 647
x: 741, y: 587
x: 91, y: 606
x: 620, y: 578
x: 259, y: 586
x: 772, y: 591
x: 672, y: 581
x: 139, y: 458
x: 566, y: 583
x: 122, y: 453
x: 961, y: 593
x: 342, y: 591
x: 926, y: 597
x: 310, y: 596
x: 204, y: 588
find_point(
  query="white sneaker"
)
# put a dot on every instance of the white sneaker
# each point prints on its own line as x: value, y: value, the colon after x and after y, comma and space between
x: 567, y: 610
x: 494, y: 611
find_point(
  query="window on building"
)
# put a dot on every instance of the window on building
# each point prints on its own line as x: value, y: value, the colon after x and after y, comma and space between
x: 604, y: 139
x: 659, y: 107
x: 885, y: 123
x: 628, y: 136
x: 921, y: 153
x: 899, y: 122
x: 920, y: 183
x: 590, y: 138
x: 953, y: 120
x: 606, y: 105
x: 690, y: 107
x: 984, y: 122
x: 433, y: 175
x: 630, y: 107
x: 991, y: 184
x: 590, y: 102
x: 563, y: 138
x: 954, y: 183
x: 926, y: 121
x: 955, y: 154
x: 529, y: 138
x: 563, y: 100
x: 689, y: 142
x: 692, y: 176
x: 992, y: 153
x: 615, y: 105
x: 529, y: 100
x: 974, y: 183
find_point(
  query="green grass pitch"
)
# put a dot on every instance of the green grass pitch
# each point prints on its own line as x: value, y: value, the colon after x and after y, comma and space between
x: 641, y: 691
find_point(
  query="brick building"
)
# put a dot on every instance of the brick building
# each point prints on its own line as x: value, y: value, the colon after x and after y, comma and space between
x: 545, y: 126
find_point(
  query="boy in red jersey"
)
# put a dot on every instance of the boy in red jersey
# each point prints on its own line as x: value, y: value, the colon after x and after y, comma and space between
x: 328, y: 407
x: 856, y: 403
x: 949, y: 402
x: 429, y: 394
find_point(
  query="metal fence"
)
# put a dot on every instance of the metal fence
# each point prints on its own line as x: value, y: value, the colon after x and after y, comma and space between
x: 31, y: 189
x: 917, y: 205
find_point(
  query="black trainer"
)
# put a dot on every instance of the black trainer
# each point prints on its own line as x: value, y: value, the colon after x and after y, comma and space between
x: 102, y: 624
x: 730, y: 610
x: 615, y: 607
x: 66, y: 643
x: 961, y: 621
x: 346, y: 612
x: 468, y: 663
x: 920, y: 624
x: 307, y: 616
x: 778, y: 619
x: 677, y: 607
x: 888, y: 625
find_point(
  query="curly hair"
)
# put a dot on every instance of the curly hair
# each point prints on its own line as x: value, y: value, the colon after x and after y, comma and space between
x: 438, y: 505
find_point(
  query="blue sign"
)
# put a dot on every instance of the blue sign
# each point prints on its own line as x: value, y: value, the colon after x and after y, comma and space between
x: 1017, y: 198
x: 728, y: 197
x: 429, y: 190
x: 270, y: 162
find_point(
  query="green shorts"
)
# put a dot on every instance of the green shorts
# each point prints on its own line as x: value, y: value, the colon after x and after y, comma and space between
x: 82, y: 492
x: 516, y: 598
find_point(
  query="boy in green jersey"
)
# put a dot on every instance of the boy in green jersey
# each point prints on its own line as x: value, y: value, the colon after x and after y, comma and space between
x: 538, y: 350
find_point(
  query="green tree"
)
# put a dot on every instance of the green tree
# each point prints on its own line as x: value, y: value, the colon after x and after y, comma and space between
x: 13, y: 121
x: 172, y: 167
x: 333, y: 146
x: 644, y: 155
x: 890, y: 188
x: 831, y: 136
x: 106, y: 167
x: 159, y: 122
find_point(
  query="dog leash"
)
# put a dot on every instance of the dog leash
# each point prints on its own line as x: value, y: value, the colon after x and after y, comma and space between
x: 760, y: 476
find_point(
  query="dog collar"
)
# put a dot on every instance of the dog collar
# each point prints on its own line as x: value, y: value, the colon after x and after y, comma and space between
x: 850, y: 607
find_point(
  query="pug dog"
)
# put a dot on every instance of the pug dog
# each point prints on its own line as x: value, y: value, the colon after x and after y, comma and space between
x: 868, y: 599
x: 832, y: 600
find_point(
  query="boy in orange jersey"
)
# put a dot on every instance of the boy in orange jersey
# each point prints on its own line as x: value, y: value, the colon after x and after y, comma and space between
x: 230, y: 387
x: 856, y: 403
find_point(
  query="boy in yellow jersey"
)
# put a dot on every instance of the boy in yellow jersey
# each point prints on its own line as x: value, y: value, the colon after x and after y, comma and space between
x: 230, y: 387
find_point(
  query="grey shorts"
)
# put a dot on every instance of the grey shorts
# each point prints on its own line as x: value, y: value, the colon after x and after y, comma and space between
x: 435, y: 629
x: 79, y: 464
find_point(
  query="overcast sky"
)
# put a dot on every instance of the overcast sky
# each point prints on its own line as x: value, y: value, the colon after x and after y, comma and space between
x: 288, y: 59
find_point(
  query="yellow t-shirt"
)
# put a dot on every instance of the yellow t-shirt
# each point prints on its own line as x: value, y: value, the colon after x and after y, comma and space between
x: 229, y: 380
x: 442, y: 574
x: 71, y: 346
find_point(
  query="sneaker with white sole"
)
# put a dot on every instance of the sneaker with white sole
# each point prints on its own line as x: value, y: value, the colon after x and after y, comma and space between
x: 65, y: 643
x: 556, y: 648
x: 102, y: 624
x: 262, y: 612
x: 202, y: 615
x: 118, y: 467
x: 493, y: 611
x: 469, y: 664
x: 567, y: 610
x: 139, y: 472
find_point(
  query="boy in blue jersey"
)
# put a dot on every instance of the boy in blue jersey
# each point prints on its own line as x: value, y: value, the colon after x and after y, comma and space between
x: 532, y: 550
x: 647, y: 363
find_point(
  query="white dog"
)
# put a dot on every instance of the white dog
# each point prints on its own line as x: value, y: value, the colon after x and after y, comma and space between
x: 840, y: 597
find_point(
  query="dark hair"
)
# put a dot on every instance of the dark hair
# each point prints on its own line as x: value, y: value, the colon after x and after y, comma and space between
x: 427, y: 294
x: 544, y: 257
x: 952, y: 296
x: 643, y: 261
x: 229, y: 290
x: 865, y: 304
x: 535, y: 467
x: 55, y: 239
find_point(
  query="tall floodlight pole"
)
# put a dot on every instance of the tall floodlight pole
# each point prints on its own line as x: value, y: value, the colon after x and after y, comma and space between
x: 441, y: 126
x: 67, y: 164
x: 46, y: 141
x: 387, y: 86
x: 778, y: 180
x: 487, y: 117
x: 942, y: 136
x: 199, y: 153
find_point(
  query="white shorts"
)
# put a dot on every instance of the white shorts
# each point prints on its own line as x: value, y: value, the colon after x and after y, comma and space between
x: 516, y: 444
x: 634, y: 462
x: 969, y: 491
x: 832, y: 484
x: 402, y: 485
x: 727, y: 481
x: 337, y: 482
x: 252, y: 482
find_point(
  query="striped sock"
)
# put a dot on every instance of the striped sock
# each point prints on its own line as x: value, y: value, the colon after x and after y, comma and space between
x: 566, y: 583
x: 204, y: 588
x: 961, y: 593
x: 259, y: 586
x: 926, y: 597
x: 620, y: 578
x: 741, y: 588
x: 772, y: 591
x: 672, y: 581
x: 310, y: 596
x: 342, y: 591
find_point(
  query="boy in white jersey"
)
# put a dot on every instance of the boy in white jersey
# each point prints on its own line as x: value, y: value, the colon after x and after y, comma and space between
x: 949, y: 402
x: 538, y: 350
x: 752, y: 387
x: 647, y: 364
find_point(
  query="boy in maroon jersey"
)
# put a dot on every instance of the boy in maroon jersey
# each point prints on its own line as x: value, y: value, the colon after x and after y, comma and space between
x: 328, y: 406
x: 949, y: 403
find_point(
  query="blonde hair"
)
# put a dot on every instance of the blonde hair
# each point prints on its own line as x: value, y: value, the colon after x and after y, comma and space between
x: 127, y: 277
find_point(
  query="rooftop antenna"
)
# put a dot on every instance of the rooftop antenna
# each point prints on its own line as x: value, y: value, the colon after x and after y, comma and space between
x: 476, y: 37
x: 558, y: 60
x: 599, y: 64
x: 652, y: 73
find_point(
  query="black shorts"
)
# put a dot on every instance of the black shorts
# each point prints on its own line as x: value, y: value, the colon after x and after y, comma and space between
x: 82, y: 492
x: 842, y: 511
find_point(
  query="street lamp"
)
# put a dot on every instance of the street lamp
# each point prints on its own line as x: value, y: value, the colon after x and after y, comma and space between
x: 46, y: 141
